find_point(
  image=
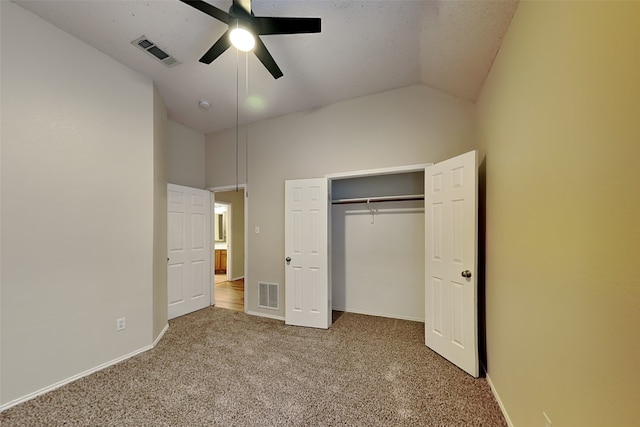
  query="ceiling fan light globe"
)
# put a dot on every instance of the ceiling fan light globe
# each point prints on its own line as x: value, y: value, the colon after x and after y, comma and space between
x: 242, y: 39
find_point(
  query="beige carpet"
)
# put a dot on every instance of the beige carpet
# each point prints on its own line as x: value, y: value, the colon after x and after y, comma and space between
x: 222, y: 367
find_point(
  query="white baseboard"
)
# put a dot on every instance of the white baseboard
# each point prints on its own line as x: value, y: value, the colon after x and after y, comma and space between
x: 160, y: 335
x: 237, y: 278
x: 270, y: 316
x: 497, y: 397
x: 82, y: 374
x: 371, y: 313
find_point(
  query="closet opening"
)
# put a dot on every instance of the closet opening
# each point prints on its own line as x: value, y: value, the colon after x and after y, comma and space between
x: 377, y: 250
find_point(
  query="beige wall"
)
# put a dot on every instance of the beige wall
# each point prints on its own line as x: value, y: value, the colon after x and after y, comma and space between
x: 236, y: 199
x: 185, y: 156
x: 559, y: 120
x: 77, y: 206
x: 222, y: 166
x: 400, y: 127
x: 160, y: 299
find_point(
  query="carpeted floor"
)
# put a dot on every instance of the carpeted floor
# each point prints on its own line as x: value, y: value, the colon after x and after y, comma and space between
x: 223, y: 367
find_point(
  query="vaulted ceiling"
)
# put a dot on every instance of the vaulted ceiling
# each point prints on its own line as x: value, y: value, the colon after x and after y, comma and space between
x: 365, y: 47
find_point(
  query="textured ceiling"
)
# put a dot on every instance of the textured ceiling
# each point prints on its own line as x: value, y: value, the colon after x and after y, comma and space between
x: 365, y: 47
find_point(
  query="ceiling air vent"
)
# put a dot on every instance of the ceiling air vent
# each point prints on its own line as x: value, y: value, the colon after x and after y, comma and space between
x: 150, y: 47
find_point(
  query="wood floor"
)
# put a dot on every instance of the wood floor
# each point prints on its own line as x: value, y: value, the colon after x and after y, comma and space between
x: 229, y: 294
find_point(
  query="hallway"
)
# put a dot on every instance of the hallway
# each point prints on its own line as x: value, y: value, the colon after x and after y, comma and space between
x: 229, y: 295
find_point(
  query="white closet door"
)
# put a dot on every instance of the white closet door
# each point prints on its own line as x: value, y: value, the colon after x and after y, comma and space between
x: 189, y: 249
x: 450, y: 251
x: 307, y: 297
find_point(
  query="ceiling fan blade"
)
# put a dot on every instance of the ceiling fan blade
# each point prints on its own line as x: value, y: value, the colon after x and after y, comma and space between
x: 274, y: 25
x: 216, y: 50
x: 210, y: 10
x: 267, y: 60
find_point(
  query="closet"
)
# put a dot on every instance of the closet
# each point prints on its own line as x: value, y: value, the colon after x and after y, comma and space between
x: 402, y: 243
x: 378, y: 244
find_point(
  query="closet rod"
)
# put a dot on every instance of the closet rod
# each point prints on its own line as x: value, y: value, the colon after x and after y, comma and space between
x: 378, y: 199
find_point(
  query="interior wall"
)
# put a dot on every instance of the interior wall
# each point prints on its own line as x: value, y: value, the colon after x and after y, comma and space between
x: 236, y: 199
x: 400, y: 127
x: 186, y: 159
x: 378, y: 260
x: 77, y: 206
x: 223, y: 164
x: 160, y: 152
x: 559, y: 129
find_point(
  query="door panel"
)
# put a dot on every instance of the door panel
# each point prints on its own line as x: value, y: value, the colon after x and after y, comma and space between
x: 307, y: 290
x: 176, y: 287
x: 451, y: 246
x: 189, y: 249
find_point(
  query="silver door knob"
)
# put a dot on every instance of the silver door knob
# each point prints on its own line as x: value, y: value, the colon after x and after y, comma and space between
x: 466, y: 274
x: 288, y: 259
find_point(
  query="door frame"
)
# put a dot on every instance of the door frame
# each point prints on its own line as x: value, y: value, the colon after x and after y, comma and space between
x: 359, y: 174
x: 228, y: 224
x: 220, y: 189
x: 381, y: 171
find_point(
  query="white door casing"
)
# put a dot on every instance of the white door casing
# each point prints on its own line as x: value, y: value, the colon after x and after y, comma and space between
x: 307, y: 291
x: 189, y: 249
x: 451, y: 257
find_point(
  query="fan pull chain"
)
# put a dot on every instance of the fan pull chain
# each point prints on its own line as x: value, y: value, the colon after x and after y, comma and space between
x: 237, y: 109
x: 246, y: 128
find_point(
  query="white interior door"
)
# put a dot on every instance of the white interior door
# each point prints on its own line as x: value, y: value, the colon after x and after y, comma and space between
x: 189, y: 249
x: 450, y: 251
x: 307, y: 291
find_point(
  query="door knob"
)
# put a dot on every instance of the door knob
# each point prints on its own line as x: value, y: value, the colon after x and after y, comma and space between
x: 466, y: 274
x: 288, y: 259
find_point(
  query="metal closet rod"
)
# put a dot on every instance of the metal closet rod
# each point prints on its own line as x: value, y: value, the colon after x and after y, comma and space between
x: 378, y: 199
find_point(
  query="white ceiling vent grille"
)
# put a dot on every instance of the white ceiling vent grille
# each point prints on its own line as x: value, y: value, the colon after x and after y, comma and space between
x: 269, y: 295
x: 150, y: 47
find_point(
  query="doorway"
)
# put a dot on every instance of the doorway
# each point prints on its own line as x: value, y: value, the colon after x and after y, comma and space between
x: 228, y: 230
x: 221, y: 217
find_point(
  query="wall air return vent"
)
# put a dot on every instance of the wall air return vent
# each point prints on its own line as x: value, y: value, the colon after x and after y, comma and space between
x: 150, y: 47
x: 269, y: 295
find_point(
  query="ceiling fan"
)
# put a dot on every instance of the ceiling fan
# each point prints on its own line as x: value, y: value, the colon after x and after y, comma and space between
x: 241, y: 18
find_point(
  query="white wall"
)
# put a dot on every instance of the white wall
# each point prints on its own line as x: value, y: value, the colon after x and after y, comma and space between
x: 378, y: 261
x: 186, y: 156
x: 400, y: 127
x: 160, y: 298
x: 77, y: 206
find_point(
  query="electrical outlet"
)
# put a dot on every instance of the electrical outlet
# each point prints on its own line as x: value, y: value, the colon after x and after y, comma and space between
x: 121, y: 323
x: 547, y: 421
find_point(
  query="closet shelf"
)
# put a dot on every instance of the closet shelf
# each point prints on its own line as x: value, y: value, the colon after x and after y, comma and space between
x: 378, y: 199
